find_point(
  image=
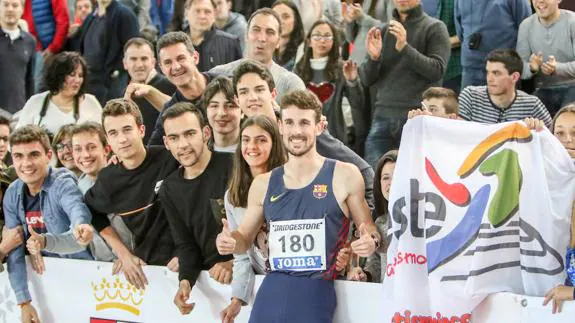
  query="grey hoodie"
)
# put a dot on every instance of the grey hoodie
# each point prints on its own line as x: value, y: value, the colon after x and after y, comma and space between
x: 237, y: 25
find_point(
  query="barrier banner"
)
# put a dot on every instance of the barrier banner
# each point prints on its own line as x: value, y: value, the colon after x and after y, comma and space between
x: 76, y: 291
x: 474, y: 209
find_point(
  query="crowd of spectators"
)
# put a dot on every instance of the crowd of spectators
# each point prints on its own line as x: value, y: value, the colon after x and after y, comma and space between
x: 91, y: 91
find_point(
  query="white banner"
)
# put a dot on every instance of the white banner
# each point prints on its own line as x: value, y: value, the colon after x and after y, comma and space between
x: 475, y: 209
x: 75, y: 291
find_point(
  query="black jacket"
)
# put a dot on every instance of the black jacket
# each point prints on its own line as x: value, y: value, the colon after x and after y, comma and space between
x: 121, y: 25
x: 218, y: 48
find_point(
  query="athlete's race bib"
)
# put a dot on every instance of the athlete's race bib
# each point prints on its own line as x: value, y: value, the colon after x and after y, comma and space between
x: 297, y: 245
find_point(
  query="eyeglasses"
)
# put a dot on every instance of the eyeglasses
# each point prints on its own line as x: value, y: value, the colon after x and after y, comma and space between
x: 61, y: 146
x: 321, y: 37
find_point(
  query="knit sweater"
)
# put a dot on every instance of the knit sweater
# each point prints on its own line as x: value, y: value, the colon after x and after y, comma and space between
x: 558, y: 40
x: 401, y: 77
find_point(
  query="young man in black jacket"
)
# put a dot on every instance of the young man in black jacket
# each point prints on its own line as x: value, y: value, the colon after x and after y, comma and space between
x: 130, y: 190
x: 193, y: 199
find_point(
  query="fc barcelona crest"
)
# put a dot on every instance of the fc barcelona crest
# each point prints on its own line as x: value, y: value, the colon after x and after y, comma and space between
x: 319, y: 191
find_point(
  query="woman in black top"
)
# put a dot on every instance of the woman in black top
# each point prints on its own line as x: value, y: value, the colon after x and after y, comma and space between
x: 292, y: 34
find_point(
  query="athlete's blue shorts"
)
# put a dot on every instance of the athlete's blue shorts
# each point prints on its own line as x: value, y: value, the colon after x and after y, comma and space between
x: 288, y: 299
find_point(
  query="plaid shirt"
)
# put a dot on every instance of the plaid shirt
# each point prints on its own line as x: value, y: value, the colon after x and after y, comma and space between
x: 445, y: 11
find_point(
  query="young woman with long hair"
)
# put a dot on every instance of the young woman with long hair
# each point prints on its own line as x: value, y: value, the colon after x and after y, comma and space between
x: 292, y: 33
x: 324, y: 73
x: 259, y: 151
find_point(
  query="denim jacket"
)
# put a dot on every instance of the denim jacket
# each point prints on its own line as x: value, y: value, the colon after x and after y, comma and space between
x: 62, y: 208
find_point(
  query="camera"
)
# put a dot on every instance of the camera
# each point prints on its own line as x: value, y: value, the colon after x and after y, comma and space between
x: 474, y: 41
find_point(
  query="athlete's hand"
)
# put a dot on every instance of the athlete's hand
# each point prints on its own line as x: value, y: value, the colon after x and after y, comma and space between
x: 230, y: 313
x: 131, y: 266
x: 222, y: 272
x: 365, y: 245
x: 84, y: 233
x: 225, y: 243
x: 182, y: 297
x: 342, y: 259
x: 558, y: 294
x: 29, y: 314
x: 174, y: 265
x: 36, y: 242
x: 356, y: 274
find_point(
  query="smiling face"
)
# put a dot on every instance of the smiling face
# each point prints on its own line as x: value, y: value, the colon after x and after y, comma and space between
x: 565, y: 131
x: 299, y: 129
x: 254, y: 96
x: 139, y: 61
x: 186, y: 139
x: 73, y: 82
x: 262, y: 38
x: 321, y: 40
x: 546, y: 8
x: 178, y: 64
x: 256, y: 146
x: 64, y: 153
x: 223, y: 115
x: 89, y: 154
x: 31, y: 162
x: 124, y: 136
x: 10, y: 13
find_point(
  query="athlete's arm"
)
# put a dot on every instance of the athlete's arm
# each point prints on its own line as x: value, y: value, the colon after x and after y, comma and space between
x: 358, y: 208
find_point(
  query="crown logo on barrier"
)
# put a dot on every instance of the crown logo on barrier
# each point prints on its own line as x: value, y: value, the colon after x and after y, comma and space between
x: 118, y: 294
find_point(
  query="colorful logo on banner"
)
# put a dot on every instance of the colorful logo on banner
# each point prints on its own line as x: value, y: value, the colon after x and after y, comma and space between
x: 489, y: 160
x: 117, y: 294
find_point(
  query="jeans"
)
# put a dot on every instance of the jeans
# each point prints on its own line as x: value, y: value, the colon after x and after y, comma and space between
x: 161, y: 12
x: 384, y: 135
x: 473, y: 76
x: 39, y: 73
x: 556, y: 97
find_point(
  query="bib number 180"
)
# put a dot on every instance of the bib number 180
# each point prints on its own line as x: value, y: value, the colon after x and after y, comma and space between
x: 296, y: 242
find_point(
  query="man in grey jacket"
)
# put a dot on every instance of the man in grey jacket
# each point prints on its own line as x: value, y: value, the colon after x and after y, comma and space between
x: 230, y: 22
x: 406, y: 57
x: 549, y: 60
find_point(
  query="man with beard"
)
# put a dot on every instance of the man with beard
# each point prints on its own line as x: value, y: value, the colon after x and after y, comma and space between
x: 307, y: 204
x: 256, y: 93
x: 195, y: 222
